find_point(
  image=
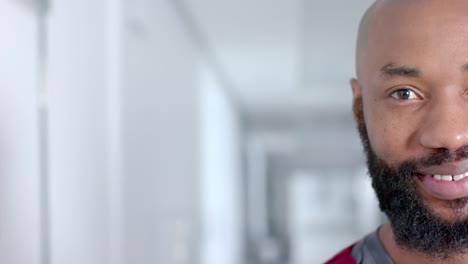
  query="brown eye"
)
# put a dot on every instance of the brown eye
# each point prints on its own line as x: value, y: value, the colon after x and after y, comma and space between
x: 405, y: 94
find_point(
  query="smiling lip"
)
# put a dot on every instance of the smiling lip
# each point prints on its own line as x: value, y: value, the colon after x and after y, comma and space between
x: 447, y: 182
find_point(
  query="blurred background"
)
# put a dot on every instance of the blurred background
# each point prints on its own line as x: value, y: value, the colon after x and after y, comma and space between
x: 179, y: 132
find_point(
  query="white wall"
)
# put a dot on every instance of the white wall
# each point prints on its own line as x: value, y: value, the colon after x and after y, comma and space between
x: 19, y: 133
x: 78, y: 132
x: 181, y: 138
x: 221, y: 174
x: 160, y: 138
x: 133, y: 141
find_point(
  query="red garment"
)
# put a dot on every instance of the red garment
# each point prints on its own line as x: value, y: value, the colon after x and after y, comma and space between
x: 344, y: 257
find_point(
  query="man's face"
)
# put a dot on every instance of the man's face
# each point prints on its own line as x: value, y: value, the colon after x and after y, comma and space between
x: 411, y: 103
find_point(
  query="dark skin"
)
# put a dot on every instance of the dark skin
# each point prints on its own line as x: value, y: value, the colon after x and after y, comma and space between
x: 412, y: 78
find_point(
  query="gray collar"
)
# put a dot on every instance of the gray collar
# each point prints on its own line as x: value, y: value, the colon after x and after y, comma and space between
x: 370, y: 250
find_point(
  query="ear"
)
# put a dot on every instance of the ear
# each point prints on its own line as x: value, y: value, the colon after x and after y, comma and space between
x: 357, y: 99
x: 356, y: 88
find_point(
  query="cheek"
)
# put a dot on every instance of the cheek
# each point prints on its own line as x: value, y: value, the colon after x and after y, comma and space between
x: 388, y: 135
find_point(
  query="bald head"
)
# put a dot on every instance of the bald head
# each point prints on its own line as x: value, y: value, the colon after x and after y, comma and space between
x: 386, y: 21
x: 364, y: 31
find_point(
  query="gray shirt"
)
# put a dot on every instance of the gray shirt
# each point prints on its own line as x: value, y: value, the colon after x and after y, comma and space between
x: 370, y: 251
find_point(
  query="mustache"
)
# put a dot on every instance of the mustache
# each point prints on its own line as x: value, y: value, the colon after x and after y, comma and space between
x: 441, y: 156
x: 409, y: 168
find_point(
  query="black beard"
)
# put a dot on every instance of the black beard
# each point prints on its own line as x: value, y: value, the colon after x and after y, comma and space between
x: 414, y: 224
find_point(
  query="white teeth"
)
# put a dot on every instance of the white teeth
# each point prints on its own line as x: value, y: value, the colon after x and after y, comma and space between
x: 459, y: 177
x: 450, y: 177
x: 447, y: 178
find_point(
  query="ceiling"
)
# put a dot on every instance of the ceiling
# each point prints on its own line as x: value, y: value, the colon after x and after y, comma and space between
x: 283, y: 55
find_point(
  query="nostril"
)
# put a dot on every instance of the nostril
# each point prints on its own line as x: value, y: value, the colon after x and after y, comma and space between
x: 442, y: 130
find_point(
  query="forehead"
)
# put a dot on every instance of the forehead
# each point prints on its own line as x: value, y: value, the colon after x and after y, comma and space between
x: 429, y: 35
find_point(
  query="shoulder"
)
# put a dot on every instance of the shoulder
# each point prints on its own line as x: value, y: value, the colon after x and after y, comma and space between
x: 344, y: 257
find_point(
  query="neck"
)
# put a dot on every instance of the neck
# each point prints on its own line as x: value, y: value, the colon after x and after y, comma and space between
x: 404, y: 256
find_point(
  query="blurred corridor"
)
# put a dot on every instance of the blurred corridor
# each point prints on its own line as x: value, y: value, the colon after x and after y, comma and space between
x: 179, y: 132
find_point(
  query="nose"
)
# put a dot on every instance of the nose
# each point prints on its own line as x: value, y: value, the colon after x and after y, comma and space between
x: 446, y: 126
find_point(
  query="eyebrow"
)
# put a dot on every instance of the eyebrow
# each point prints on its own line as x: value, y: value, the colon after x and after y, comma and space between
x: 392, y: 70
